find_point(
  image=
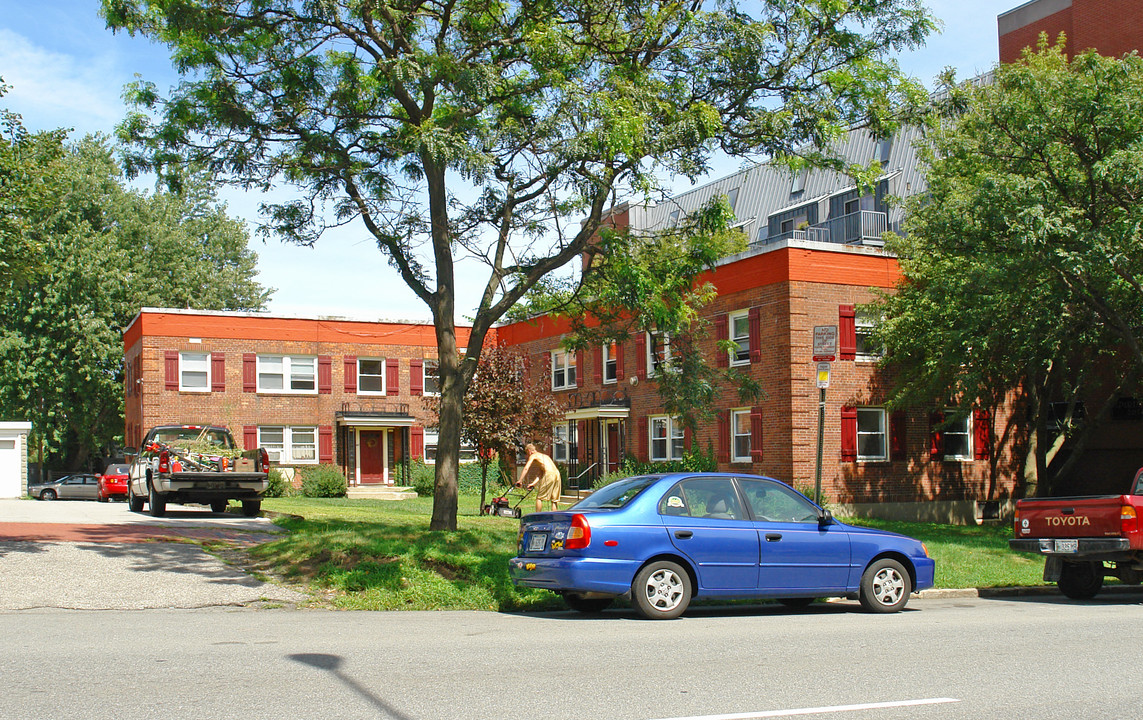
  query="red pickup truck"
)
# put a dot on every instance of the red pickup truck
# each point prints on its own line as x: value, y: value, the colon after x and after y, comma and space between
x: 1084, y: 539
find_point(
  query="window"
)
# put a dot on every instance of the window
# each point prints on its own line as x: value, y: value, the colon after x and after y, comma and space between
x: 666, y: 438
x: 658, y: 352
x: 881, y: 151
x: 867, y: 346
x: 564, y: 442
x: 798, y: 184
x: 289, y: 445
x: 740, y: 436
x: 370, y: 376
x: 732, y: 198
x: 287, y: 373
x: 740, y: 334
x: 194, y: 372
x: 957, y: 438
x: 432, y: 377
x: 872, y: 441
x: 674, y: 218
x: 610, y: 364
x: 775, y: 502
x: 432, y: 435
x: 563, y: 370
x: 713, y: 498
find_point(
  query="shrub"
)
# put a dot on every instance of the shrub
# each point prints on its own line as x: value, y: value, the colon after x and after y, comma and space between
x: 468, y: 477
x: 323, y: 481
x: 278, y: 486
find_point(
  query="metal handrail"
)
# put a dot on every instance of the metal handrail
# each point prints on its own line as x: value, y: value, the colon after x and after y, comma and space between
x: 577, y: 478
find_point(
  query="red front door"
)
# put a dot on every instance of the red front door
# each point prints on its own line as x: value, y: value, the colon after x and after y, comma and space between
x: 612, y: 447
x: 371, y: 460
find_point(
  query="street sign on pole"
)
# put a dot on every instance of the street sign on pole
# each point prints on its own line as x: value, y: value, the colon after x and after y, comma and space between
x: 825, y: 343
x: 823, y: 375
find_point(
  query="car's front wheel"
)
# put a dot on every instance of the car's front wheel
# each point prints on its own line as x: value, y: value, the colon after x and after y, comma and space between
x: 48, y: 495
x: 885, y: 586
x: 134, y: 502
x: 581, y: 604
x: 158, y: 505
x: 1080, y: 580
x: 661, y: 591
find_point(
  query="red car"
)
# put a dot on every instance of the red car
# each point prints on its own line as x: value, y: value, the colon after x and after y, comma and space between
x: 113, y: 483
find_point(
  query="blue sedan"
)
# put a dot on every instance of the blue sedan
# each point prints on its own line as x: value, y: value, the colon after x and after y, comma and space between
x: 663, y: 540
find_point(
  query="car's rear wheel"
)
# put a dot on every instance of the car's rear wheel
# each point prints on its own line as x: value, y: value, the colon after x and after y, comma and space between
x: 885, y: 586
x: 48, y: 495
x: 251, y: 508
x: 661, y: 591
x: 218, y: 506
x: 581, y: 604
x: 134, y: 502
x: 1080, y: 580
x: 157, y: 504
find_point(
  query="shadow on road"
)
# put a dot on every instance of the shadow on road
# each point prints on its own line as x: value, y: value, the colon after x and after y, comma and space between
x: 332, y: 665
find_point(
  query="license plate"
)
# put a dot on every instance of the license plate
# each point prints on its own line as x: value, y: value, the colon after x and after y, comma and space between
x: 1067, y: 546
x: 537, y: 542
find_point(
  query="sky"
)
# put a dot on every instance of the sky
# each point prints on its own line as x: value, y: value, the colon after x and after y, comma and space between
x: 66, y: 69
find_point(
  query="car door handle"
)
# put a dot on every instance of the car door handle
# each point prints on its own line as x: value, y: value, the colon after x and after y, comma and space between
x: 683, y: 534
x: 773, y: 537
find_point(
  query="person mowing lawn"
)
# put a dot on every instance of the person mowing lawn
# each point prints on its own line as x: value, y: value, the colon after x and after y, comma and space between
x: 547, y: 477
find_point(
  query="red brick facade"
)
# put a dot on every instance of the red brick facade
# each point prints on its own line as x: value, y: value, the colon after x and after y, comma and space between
x: 1112, y: 27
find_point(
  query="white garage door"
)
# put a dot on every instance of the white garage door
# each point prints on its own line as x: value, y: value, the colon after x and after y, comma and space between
x: 9, y: 467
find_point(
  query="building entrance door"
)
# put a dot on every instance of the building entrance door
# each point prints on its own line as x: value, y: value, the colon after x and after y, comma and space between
x: 611, y: 445
x: 371, y: 456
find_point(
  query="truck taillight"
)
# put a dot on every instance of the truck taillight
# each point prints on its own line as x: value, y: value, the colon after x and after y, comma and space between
x: 579, y: 535
x: 164, y: 462
x: 1128, y: 522
x: 263, y: 460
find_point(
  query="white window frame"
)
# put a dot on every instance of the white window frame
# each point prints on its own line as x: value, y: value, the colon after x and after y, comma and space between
x: 432, y: 440
x: 735, y: 417
x: 361, y: 374
x: 289, y: 363
x: 610, y: 371
x: 186, y: 360
x: 741, y: 356
x: 564, y: 440
x: 965, y: 429
x: 879, y: 427
x: 563, y: 369
x: 426, y: 363
x: 297, y: 442
x: 653, y: 362
x: 671, y: 439
x: 863, y: 325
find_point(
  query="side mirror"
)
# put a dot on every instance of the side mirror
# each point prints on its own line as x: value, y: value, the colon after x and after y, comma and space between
x: 826, y: 518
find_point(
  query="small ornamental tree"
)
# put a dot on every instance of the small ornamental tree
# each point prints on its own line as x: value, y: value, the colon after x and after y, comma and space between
x: 504, y: 409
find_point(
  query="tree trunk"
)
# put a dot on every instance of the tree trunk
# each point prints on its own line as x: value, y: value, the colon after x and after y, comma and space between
x: 448, y: 438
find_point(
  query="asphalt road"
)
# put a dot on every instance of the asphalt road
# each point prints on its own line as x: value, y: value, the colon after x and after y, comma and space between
x: 991, y: 659
x: 81, y: 555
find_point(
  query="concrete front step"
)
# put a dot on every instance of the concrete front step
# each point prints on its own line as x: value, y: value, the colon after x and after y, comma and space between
x: 380, y: 492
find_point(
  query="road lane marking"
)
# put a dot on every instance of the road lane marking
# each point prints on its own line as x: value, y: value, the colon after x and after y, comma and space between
x: 818, y: 710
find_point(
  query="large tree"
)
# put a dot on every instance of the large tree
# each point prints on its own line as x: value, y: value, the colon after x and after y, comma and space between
x: 498, y: 132
x: 85, y: 254
x: 1023, y: 264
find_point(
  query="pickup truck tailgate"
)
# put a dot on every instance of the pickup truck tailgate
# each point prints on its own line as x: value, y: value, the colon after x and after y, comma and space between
x: 1077, y: 517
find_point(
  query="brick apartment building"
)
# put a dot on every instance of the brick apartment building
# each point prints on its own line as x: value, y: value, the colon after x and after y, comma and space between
x: 310, y: 390
x: 1113, y: 27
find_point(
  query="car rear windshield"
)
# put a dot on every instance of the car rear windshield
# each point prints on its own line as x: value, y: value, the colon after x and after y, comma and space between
x: 115, y: 470
x: 214, y: 437
x: 617, y: 494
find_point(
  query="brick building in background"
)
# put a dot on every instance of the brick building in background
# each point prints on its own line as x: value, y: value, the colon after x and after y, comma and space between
x: 1112, y: 27
x: 310, y: 390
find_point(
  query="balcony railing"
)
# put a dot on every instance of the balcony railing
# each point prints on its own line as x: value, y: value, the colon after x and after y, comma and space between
x: 863, y: 227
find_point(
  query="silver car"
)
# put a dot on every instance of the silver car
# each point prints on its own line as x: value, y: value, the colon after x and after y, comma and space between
x: 81, y: 486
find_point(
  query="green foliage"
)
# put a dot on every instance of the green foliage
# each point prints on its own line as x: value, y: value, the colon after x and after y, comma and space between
x: 278, y: 486
x: 468, y: 477
x: 81, y: 254
x: 693, y: 461
x: 323, y: 481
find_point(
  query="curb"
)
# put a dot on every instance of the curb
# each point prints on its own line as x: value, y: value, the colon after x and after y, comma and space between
x: 1022, y: 591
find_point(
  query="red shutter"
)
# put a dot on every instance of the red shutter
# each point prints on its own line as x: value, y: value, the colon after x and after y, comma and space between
x: 325, y: 375
x: 250, y: 436
x: 392, y: 377
x: 619, y: 367
x: 897, y: 436
x: 724, y: 436
x: 754, y: 321
x: 848, y: 434
x: 417, y: 443
x: 579, y: 378
x: 325, y: 444
x: 416, y: 376
x: 641, y: 356
x: 688, y: 438
x: 756, y: 434
x: 597, y: 365
x: 171, y: 369
x: 982, y: 434
x: 721, y: 335
x: 249, y: 372
x: 217, y: 372
x: 350, y: 364
x: 846, y: 333
x: 580, y: 435
x: 936, y: 436
x: 642, y: 440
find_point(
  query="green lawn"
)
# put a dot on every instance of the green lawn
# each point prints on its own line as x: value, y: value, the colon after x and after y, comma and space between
x: 380, y: 555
